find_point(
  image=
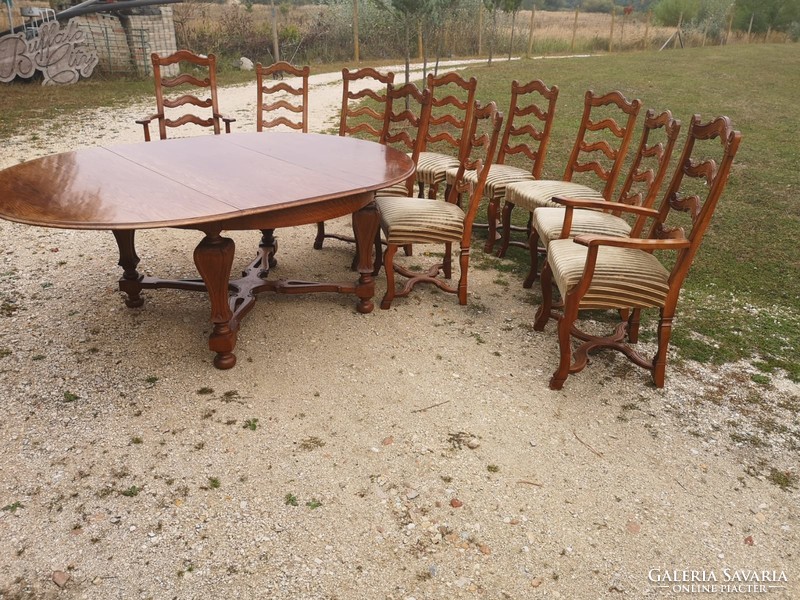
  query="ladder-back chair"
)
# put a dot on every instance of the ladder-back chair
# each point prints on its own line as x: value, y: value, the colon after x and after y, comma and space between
x: 449, y: 123
x: 361, y: 120
x: 190, y: 87
x: 599, y: 151
x: 272, y: 100
x: 640, y: 189
x: 529, y: 122
x: 430, y: 221
x: 624, y: 274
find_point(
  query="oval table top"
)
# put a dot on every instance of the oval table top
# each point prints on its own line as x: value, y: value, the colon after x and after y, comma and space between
x: 191, y: 181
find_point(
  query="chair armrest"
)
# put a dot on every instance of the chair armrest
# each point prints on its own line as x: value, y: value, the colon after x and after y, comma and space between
x: 227, y: 121
x: 635, y: 243
x: 146, y: 124
x: 604, y: 205
x: 147, y: 120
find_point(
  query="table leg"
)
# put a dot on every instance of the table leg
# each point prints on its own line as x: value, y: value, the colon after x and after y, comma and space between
x: 365, y: 227
x: 130, y: 283
x: 214, y: 259
x: 269, y: 246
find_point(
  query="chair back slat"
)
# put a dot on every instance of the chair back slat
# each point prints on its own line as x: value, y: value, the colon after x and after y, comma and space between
x: 363, y: 120
x: 481, y: 141
x: 405, y: 123
x: 650, y: 163
x: 718, y: 144
x: 450, y: 114
x: 296, y: 104
x: 530, y: 118
x: 204, y: 85
x: 603, y: 156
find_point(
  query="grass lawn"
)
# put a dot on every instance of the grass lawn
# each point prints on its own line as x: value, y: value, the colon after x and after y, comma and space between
x: 742, y: 297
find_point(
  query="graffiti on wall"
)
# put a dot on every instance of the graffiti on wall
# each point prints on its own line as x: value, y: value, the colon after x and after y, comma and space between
x: 60, y: 54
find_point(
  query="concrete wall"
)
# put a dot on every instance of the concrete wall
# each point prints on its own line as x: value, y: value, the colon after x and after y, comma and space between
x: 125, y: 41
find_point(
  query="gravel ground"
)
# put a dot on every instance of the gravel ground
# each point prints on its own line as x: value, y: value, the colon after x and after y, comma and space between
x: 406, y: 454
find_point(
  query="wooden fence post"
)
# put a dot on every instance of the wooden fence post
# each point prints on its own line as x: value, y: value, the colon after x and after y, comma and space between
x: 530, y: 33
x: 647, y: 30
x: 750, y: 27
x: 678, y: 31
x: 574, y: 30
x: 480, y: 28
x: 356, y: 53
x: 611, y: 35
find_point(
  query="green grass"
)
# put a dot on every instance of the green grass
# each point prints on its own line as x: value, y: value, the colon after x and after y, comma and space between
x: 741, y: 297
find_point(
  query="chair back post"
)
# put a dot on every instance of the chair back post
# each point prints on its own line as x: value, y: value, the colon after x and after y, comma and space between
x: 541, y: 134
x: 348, y: 96
x: 622, y: 133
x: 436, y: 128
x: 651, y: 177
x: 714, y: 176
x: 484, y: 137
x: 281, y: 68
x: 397, y: 125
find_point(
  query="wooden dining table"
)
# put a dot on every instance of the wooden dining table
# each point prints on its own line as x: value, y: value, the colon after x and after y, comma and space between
x: 213, y: 183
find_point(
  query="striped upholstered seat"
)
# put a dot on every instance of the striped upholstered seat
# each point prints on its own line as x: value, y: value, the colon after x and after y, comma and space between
x: 398, y: 189
x: 530, y: 195
x: 499, y: 177
x: 432, y: 167
x: 623, y: 277
x: 419, y: 220
x: 549, y: 221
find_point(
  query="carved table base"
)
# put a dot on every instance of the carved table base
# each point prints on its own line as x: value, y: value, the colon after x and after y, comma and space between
x: 232, y: 299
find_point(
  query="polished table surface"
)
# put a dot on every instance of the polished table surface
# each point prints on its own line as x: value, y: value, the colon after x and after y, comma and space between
x: 212, y: 183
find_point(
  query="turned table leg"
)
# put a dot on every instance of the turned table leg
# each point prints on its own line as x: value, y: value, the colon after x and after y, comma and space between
x: 365, y: 227
x: 130, y: 283
x: 214, y: 259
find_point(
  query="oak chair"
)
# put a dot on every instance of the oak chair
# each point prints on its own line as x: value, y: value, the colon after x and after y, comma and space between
x: 641, y: 187
x: 623, y: 273
x: 412, y: 220
x: 362, y: 120
x: 277, y: 105
x: 166, y: 105
x: 449, y: 124
x: 597, y: 156
x: 527, y: 132
x: 271, y: 99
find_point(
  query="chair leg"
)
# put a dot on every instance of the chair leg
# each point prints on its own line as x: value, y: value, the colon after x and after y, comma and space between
x: 533, y: 248
x: 491, y: 217
x: 320, y: 235
x: 420, y: 190
x: 505, y: 236
x: 462, y: 281
x: 447, y: 262
x: 388, y: 266
x: 633, y: 325
x: 660, y: 359
x: 545, y: 308
x: 433, y: 191
x: 565, y: 324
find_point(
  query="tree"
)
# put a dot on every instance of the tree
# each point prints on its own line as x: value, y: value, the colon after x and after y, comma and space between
x: 511, y: 6
x: 407, y: 13
x: 767, y: 15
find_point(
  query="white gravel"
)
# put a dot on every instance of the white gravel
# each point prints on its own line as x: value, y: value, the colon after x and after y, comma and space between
x: 406, y: 454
